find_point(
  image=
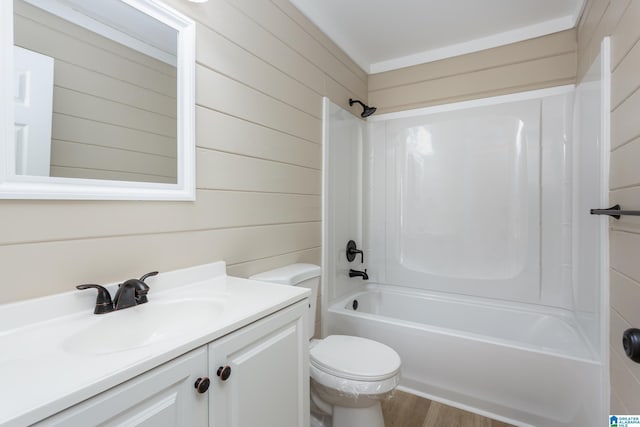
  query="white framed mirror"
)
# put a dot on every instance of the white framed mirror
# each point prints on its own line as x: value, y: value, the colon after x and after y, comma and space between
x: 97, y: 99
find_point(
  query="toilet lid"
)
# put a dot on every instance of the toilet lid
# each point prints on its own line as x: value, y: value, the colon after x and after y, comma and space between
x: 355, y: 358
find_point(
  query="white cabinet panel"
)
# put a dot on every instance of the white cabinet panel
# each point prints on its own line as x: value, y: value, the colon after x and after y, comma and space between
x: 269, y: 381
x: 162, y: 397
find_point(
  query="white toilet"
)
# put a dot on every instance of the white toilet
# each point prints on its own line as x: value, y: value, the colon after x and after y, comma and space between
x: 349, y: 375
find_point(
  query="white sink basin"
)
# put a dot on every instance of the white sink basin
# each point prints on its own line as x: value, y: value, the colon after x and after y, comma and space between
x: 142, y: 325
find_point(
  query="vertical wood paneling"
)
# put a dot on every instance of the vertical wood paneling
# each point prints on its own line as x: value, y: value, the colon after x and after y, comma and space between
x: 259, y: 156
x: 619, y: 19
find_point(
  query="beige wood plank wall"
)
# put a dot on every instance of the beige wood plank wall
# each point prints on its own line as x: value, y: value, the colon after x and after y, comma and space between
x: 114, y: 108
x: 262, y: 69
x: 620, y: 18
x: 532, y: 64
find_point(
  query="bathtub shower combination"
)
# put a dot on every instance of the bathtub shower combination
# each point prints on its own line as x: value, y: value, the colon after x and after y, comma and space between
x: 484, y: 265
x: 513, y: 363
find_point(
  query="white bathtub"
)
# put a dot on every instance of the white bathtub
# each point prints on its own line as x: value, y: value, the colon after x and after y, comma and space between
x: 477, y: 354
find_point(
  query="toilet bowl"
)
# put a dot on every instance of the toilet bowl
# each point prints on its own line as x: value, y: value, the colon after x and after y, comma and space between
x: 349, y: 375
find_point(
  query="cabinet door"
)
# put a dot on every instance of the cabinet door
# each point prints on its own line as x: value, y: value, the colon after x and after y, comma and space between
x: 269, y: 381
x: 162, y: 397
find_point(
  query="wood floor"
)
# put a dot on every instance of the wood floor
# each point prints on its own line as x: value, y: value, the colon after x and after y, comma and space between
x: 408, y: 410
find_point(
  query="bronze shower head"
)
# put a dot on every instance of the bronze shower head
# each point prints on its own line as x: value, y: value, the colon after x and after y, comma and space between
x: 367, y: 110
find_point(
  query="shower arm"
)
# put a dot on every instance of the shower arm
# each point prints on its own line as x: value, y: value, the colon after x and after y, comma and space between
x: 353, y: 101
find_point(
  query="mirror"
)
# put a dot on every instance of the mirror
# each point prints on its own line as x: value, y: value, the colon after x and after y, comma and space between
x: 100, y: 97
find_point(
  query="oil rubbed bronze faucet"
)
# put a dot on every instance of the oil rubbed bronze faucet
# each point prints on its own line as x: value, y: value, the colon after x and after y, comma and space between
x: 352, y: 251
x: 103, y: 302
x: 130, y: 293
x: 358, y: 273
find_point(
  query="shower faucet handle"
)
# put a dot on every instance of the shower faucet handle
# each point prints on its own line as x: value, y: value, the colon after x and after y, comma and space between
x: 352, y: 251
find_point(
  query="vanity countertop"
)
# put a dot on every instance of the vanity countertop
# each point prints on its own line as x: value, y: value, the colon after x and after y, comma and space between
x: 54, y: 354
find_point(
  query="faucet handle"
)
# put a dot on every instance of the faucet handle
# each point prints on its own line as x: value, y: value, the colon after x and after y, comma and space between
x: 103, y: 300
x: 141, y: 291
x: 352, y: 251
x: 145, y: 276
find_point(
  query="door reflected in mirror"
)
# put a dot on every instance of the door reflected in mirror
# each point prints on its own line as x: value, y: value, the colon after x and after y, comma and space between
x: 95, y: 92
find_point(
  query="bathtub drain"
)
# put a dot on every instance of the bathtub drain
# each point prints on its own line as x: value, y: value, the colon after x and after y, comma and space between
x: 355, y: 304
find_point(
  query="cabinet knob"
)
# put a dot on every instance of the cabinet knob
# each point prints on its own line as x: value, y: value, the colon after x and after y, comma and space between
x: 202, y: 384
x: 631, y: 344
x: 224, y: 372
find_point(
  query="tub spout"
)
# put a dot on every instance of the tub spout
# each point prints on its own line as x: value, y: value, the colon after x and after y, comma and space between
x: 357, y: 273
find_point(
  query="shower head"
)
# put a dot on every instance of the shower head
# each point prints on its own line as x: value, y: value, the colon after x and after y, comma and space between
x: 367, y: 110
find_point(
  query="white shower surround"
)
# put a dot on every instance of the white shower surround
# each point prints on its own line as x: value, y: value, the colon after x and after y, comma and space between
x: 400, y: 305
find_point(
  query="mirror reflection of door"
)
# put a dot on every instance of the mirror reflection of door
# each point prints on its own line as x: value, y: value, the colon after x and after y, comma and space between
x: 33, y: 81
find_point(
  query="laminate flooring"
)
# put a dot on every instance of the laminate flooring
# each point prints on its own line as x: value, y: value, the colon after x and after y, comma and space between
x: 408, y: 410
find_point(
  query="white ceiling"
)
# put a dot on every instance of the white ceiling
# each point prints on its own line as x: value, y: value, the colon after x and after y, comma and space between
x: 382, y: 35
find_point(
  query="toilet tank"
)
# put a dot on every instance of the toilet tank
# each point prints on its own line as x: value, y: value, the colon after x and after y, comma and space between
x: 305, y: 275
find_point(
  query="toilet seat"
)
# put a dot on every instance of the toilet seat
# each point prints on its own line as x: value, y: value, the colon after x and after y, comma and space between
x: 353, y: 388
x: 354, y: 358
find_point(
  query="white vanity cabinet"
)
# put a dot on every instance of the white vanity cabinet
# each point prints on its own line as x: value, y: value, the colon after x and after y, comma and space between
x: 162, y: 397
x: 260, y: 374
x: 263, y: 381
